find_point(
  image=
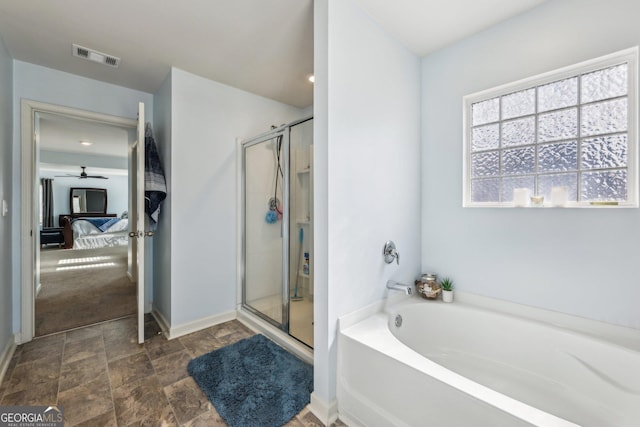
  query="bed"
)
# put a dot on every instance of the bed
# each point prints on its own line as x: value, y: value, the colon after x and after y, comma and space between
x: 89, y: 231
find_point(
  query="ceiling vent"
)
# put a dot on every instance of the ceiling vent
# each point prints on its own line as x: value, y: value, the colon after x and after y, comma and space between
x: 95, y: 56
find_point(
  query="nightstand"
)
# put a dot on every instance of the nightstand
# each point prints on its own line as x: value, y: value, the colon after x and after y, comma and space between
x: 50, y: 236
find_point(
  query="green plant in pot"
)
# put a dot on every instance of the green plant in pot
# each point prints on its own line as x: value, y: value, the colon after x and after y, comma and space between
x: 447, y: 289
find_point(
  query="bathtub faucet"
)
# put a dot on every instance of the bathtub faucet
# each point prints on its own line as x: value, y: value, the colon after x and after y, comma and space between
x: 392, y: 284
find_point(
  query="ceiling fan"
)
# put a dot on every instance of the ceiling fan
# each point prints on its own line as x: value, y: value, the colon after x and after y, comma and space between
x: 83, y: 175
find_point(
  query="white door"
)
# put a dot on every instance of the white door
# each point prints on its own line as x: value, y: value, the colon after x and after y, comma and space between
x: 137, y: 227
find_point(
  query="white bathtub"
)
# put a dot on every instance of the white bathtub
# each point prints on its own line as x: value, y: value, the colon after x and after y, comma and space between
x: 462, y: 365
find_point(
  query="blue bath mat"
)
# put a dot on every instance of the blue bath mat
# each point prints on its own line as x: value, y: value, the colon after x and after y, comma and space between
x: 254, y: 382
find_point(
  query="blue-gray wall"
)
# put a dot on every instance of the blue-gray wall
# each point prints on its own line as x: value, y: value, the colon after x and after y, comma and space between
x: 577, y: 261
x: 117, y: 187
x: 162, y: 237
x: 6, y: 118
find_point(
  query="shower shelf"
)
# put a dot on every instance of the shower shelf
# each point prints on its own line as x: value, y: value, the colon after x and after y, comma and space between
x: 302, y: 221
x: 306, y: 170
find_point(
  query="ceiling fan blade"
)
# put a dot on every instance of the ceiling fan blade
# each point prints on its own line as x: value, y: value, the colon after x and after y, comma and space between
x: 97, y: 176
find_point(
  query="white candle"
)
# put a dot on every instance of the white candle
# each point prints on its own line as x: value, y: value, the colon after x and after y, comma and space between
x: 559, y: 196
x: 520, y: 197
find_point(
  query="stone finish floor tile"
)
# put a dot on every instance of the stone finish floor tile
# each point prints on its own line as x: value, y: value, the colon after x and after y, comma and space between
x: 159, y: 346
x: 108, y: 419
x: 39, y: 394
x: 82, y: 371
x: 77, y: 350
x: 210, y: 418
x: 101, y: 376
x: 84, y: 333
x: 187, y: 400
x: 142, y: 403
x: 129, y: 369
x: 172, y: 368
x: 199, y: 343
x: 86, y: 401
x: 26, y: 375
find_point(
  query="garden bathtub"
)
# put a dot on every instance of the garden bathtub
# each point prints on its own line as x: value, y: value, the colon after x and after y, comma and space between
x: 462, y: 365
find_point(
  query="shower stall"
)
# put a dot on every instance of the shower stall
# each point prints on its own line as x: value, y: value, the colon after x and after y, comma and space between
x: 277, y: 228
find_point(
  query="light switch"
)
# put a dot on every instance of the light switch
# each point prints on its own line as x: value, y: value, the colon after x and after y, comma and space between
x: 5, y: 208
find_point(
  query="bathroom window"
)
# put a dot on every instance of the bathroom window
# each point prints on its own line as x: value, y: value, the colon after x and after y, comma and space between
x: 564, y: 138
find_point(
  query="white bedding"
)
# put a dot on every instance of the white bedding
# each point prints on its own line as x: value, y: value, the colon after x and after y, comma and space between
x: 88, y: 236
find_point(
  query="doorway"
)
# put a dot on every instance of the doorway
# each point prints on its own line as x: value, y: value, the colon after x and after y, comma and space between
x: 30, y: 230
x: 82, y: 171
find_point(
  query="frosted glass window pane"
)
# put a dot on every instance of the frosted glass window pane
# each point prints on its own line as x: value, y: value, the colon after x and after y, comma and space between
x: 485, y: 190
x: 604, y: 186
x: 604, y: 117
x: 519, y: 104
x: 508, y: 184
x: 519, y: 132
x: 519, y: 161
x: 558, y: 95
x: 485, y: 111
x: 603, y: 84
x: 604, y: 152
x: 485, y: 164
x: 558, y: 157
x: 547, y: 182
x: 558, y: 125
x: 485, y: 137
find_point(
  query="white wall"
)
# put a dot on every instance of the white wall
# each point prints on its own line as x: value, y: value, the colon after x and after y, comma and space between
x: 367, y: 150
x: 206, y: 119
x: 56, y: 87
x: 6, y: 250
x: 578, y: 261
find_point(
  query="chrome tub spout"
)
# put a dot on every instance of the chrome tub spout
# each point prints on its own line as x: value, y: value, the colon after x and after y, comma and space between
x: 391, y: 284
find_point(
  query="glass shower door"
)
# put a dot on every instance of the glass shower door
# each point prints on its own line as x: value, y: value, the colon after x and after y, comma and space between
x: 264, y: 213
x: 301, y: 232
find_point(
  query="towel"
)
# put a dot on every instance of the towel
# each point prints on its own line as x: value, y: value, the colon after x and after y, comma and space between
x: 155, y: 185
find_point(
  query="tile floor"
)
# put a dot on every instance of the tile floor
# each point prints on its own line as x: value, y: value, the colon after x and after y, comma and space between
x: 102, y: 377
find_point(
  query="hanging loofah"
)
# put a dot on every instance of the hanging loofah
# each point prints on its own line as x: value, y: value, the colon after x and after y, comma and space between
x: 271, y: 217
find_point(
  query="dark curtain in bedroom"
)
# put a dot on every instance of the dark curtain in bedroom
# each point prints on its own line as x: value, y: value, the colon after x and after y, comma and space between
x: 47, y: 202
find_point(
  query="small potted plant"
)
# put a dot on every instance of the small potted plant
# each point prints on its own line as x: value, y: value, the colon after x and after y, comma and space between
x: 447, y: 289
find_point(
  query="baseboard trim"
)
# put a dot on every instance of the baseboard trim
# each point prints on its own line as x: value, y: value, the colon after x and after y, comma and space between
x: 327, y: 412
x: 199, y: 324
x: 162, y: 322
x: 5, y: 357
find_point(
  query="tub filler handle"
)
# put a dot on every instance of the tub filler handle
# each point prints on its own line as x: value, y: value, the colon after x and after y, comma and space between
x: 392, y: 284
x: 390, y: 252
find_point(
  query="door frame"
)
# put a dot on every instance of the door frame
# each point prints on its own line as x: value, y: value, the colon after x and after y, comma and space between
x: 29, y: 235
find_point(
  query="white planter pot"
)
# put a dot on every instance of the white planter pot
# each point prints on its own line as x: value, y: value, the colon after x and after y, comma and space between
x: 447, y: 296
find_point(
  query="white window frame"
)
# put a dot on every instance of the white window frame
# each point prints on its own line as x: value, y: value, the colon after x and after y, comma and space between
x: 628, y: 56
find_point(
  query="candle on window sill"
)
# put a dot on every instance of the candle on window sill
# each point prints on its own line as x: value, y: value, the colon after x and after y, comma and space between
x: 537, y: 201
x: 520, y: 197
x: 559, y: 196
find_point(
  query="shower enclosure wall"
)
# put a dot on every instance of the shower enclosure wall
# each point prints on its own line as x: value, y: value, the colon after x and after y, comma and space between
x: 277, y: 231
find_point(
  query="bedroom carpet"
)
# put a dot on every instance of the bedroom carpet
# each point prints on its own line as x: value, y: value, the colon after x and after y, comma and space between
x: 82, y: 287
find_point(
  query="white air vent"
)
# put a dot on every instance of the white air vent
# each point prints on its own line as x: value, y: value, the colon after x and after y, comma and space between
x: 95, y: 56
